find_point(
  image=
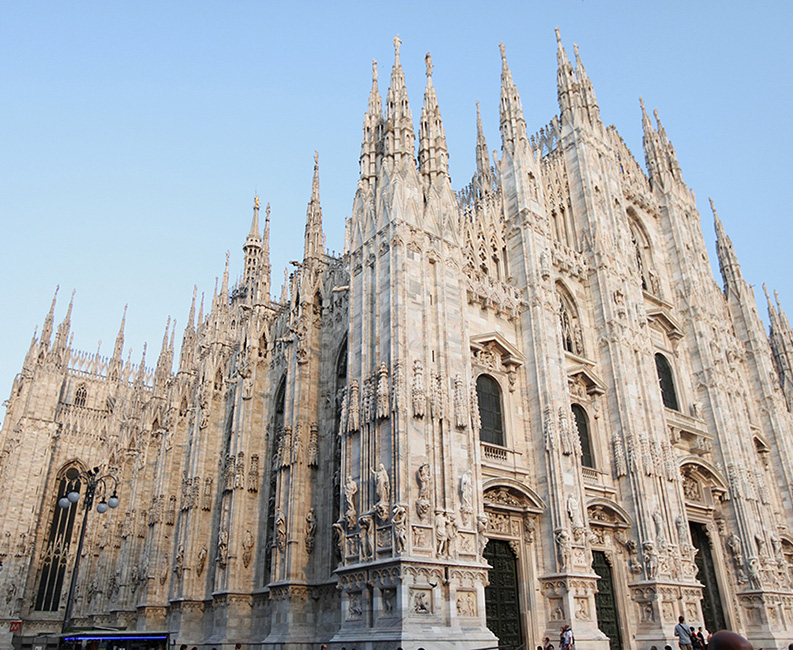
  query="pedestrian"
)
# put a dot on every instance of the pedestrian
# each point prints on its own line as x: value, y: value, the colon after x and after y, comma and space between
x: 683, y: 634
x: 695, y: 639
x: 547, y: 644
x: 702, y: 643
x: 567, y: 642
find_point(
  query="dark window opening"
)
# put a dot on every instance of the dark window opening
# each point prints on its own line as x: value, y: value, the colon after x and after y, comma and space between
x: 488, y: 393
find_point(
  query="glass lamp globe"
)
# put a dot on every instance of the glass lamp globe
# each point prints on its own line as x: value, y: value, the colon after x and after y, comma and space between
x: 73, y: 496
x: 112, y: 502
x: 101, y: 506
x: 63, y: 502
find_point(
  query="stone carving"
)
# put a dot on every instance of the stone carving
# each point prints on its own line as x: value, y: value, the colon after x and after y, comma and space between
x: 354, y: 406
x: 466, y: 603
x: 650, y: 559
x: 574, y: 512
x: 285, y: 447
x: 460, y: 415
x: 466, y: 497
x: 421, y: 602
x: 476, y: 421
x: 280, y: 532
x: 755, y: 579
x: 423, y: 502
x: 660, y: 535
x: 178, y: 563
x: 343, y: 411
x: 367, y: 537
x: 383, y: 491
x: 313, y: 445
x: 201, y: 560
x: 399, y: 520
x: 350, y: 512
x: 682, y: 531
x: 239, y: 472
x: 566, y: 432
x: 441, y: 535
x: 383, y: 401
x: 419, y: 396
x: 247, y: 548
x: 170, y: 515
x: 481, y: 532
x: 563, y: 549
x: 311, y: 530
x: 387, y: 596
x: 398, y: 380
x: 206, y: 504
x: 354, y: 610
x: 223, y: 548
x: 253, y: 474
x: 297, y: 445
x: 341, y: 541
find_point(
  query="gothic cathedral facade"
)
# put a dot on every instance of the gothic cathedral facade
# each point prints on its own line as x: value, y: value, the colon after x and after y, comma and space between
x: 521, y: 405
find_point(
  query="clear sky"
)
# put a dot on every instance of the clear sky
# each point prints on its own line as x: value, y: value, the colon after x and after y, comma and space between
x: 134, y: 135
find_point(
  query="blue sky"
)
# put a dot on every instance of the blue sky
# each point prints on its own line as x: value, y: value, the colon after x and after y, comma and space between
x: 133, y: 136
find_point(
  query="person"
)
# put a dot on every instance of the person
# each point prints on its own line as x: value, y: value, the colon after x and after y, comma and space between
x: 546, y: 644
x: 567, y: 641
x: 725, y: 640
x: 695, y: 643
x: 701, y: 637
x: 683, y: 634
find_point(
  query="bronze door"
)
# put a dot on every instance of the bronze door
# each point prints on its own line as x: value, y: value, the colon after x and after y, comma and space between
x: 502, y: 605
x: 606, y: 602
x: 712, y: 611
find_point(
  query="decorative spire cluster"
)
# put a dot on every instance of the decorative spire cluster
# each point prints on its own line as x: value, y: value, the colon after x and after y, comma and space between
x: 433, y: 154
x: 728, y: 260
x: 314, y: 246
x: 577, y: 102
x: 398, y: 128
x: 513, y: 124
x: 659, y: 154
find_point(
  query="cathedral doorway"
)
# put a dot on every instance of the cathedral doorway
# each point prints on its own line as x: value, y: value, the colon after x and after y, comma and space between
x: 606, y: 602
x: 502, y: 606
x: 712, y: 611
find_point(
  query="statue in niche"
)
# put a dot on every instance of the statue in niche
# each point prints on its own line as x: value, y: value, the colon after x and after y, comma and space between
x: 650, y: 560
x: 383, y: 489
x: 466, y: 493
x: 178, y: 563
x: 563, y: 549
x: 660, y: 535
x: 202, y: 559
x: 400, y: 528
x: 223, y: 548
x: 574, y: 512
x: 280, y: 532
x: 341, y: 541
x: 441, y: 535
x: 311, y: 530
x: 423, y: 503
x: 247, y: 548
x: 682, y: 531
x: 367, y: 537
x: 351, y: 512
x: 481, y: 530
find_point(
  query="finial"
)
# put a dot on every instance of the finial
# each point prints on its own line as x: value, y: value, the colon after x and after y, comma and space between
x: 428, y: 63
x: 776, y: 297
x: 765, y: 291
x: 316, y: 159
x: 503, y: 52
x: 655, y: 115
x: 712, y: 207
x: 575, y: 50
x: 641, y: 103
x: 558, y: 36
x: 477, y: 109
x: 256, y: 202
x: 397, y: 43
x: 268, y: 212
x: 374, y: 70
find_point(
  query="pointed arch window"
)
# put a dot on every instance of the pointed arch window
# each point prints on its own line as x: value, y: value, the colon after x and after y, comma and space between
x: 666, y: 382
x: 80, y: 395
x: 488, y: 393
x: 56, y: 549
x: 582, y: 424
x: 279, y: 407
x: 642, y: 255
x: 572, y: 335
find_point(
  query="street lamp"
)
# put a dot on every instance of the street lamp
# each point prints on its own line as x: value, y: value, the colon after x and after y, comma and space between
x: 93, y: 482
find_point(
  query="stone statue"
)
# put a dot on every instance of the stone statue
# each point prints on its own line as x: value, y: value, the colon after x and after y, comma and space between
x: 367, y: 537
x: 341, y: 540
x: 682, y: 531
x: 563, y: 549
x: 247, y: 548
x: 351, y: 513
x: 650, y: 560
x: 383, y: 489
x: 311, y: 530
x: 441, y: 536
x: 481, y: 530
x: 466, y: 491
x: 400, y: 528
x: 280, y: 532
x: 574, y: 512
x: 202, y: 560
x: 223, y: 548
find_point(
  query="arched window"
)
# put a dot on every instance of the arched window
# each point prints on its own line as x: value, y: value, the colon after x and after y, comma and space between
x: 582, y: 424
x: 572, y: 335
x: 488, y: 392
x: 279, y: 407
x: 218, y: 380
x: 666, y: 382
x: 80, y: 395
x: 56, y: 549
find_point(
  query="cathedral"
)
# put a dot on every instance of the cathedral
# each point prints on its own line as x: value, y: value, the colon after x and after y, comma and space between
x: 503, y: 409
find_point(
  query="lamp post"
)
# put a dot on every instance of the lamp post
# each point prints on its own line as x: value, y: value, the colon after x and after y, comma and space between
x: 93, y: 482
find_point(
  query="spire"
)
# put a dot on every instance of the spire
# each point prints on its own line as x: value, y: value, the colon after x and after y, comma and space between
x: 264, y: 291
x: 566, y: 87
x: 62, y: 336
x: 165, y: 360
x: 252, y: 247
x: 119, y: 347
x: 200, y: 320
x: 372, y: 129
x: 224, y: 290
x: 188, y: 338
x: 728, y: 261
x: 140, y: 378
x: 398, y: 131
x: 46, y: 330
x: 782, y: 315
x: 314, y: 239
x: 484, y: 175
x: 513, y: 124
x: 651, y: 147
x: 773, y: 314
x: 433, y: 154
x: 588, y: 98
x: 669, y: 151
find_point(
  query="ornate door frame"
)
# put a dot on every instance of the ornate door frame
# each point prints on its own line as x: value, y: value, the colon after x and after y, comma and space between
x: 512, y: 511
